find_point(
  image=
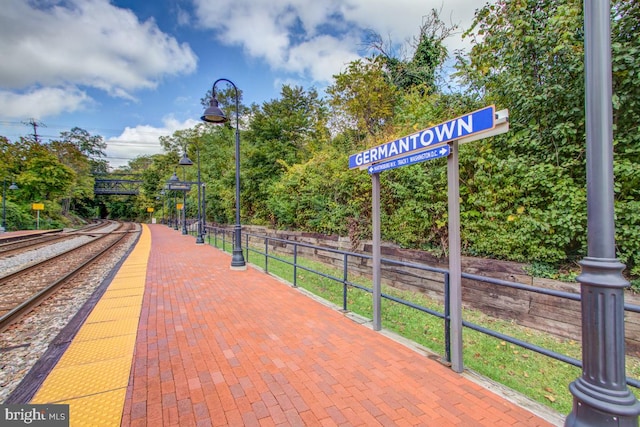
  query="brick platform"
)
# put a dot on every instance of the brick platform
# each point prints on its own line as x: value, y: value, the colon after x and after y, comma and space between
x: 232, y: 348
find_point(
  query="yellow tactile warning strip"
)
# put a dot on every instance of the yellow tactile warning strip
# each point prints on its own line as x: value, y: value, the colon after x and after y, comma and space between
x: 93, y: 374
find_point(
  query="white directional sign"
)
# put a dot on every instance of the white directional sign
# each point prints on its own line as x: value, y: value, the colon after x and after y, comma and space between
x: 462, y: 127
x: 423, y: 156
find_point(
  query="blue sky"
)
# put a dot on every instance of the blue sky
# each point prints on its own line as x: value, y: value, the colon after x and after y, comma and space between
x: 132, y: 70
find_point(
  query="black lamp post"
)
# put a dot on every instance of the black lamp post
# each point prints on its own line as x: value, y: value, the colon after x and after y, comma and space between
x: 174, y: 178
x: 13, y: 186
x: 213, y: 114
x: 163, y: 202
x: 601, y: 396
x: 184, y: 204
x: 204, y: 210
x: 185, y: 161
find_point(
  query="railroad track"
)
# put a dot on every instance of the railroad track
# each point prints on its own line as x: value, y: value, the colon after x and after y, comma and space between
x: 25, y: 289
x: 27, y: 243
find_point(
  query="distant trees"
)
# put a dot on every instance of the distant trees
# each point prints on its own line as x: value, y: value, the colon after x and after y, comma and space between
x: 57, y: 173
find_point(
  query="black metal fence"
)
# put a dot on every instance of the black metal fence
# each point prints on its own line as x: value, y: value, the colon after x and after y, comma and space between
x: 223, y: 238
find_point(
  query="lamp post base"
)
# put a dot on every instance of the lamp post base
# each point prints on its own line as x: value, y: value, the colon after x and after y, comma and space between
x: 594, y: 406
x: 200, y: 236
x: 600, y: 395
x: 237, y: 260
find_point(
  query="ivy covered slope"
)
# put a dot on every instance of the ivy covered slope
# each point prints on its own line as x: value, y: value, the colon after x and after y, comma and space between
x: 523, y: 194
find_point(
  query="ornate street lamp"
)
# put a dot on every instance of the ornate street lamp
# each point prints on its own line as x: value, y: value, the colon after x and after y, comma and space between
x: 213, y: 114
x: 13, y: 186
x: 185, y: 161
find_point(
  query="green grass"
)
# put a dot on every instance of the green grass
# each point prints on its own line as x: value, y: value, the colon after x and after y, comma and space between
x: 541, y: 378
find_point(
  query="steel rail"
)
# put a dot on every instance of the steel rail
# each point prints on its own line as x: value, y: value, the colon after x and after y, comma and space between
x: 33, y: 242
x: 11, y: 276
x: 26, y: 306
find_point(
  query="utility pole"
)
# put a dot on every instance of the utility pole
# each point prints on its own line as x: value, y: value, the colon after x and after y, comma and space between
x: 32, y: 122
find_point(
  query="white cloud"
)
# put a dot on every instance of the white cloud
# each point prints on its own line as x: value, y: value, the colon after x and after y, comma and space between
x: 327, y: 54
x: 142, y: 140
x: 41, y: 102
x: 68, y: 47
x: 316, y: 39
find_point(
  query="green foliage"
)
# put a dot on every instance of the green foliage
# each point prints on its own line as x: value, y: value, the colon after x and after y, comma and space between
x: 15, y: 216
x: 281, y: 133
x: 550, y: 271
x: 92, y: 146
x: 529, y: 57
x: 57, y: 173
x: 321, y: 195
x: 43, y: 177
x: 363, y: 96
x: 520, y: 212
x: 429, y: 53
x: 628, y: 234
x: 414, y: 201
x: 123, y: 208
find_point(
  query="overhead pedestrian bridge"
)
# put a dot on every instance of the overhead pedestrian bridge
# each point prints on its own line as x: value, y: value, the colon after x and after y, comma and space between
x: 124, y: 187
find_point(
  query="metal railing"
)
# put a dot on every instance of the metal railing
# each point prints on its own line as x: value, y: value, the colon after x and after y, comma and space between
x: 217, y: 237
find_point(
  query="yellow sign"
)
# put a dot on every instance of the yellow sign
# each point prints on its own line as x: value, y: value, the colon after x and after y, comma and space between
x: 179, y: 206
x: 149, y: 209
x: 37, y: 206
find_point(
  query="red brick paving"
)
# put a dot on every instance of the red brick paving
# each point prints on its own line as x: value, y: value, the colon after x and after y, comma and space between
x: 218, y: 347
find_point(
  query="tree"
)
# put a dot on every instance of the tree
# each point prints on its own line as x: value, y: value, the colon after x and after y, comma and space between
x: 626, y: 102
x: 92, y: 146
x: 363, y: 96
x: 282, y: 132
x: 429, y: 54
x: 44, y: 177
x: 81, y: 188
x: 322, y: 195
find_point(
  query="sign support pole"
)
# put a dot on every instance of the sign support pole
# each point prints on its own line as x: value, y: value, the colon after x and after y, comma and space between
x: 455, y: 268
x: 375, y: 251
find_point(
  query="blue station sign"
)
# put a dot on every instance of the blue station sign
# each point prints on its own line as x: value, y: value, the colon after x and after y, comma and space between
x: 420, y: 157
x: 478, y: 121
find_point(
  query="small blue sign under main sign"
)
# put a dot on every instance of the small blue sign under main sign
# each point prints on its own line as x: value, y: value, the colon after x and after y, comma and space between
x: 423, y: 156
x: 478, y: 121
